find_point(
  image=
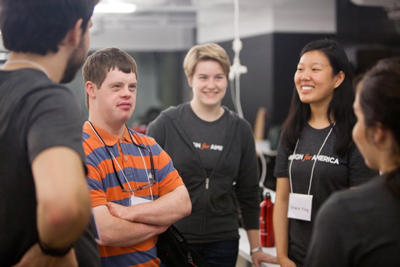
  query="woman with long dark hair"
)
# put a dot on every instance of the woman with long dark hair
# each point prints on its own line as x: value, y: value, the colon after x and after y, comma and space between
x: 316, y: 155
x: 362, y: 227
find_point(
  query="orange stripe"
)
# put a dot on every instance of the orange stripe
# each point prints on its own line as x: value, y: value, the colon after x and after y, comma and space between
x: 98, y: 198
x: 137, y: 161
x: 115, y: 193
x: 170, y: 182
x: 149, y: 141
x: 115, y: 251
x: 92, y: 143
x: 162, y: 159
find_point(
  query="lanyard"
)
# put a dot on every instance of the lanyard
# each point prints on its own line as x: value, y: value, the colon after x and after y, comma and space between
x: 150, y: 176
x: 315, y: 161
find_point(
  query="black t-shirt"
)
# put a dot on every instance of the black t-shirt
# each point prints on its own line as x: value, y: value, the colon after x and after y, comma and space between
x: 331, y: 173
x: 36, y: 114
x: 207, y: 137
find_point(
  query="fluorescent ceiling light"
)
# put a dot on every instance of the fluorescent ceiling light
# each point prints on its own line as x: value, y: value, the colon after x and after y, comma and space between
x: 115, y: 8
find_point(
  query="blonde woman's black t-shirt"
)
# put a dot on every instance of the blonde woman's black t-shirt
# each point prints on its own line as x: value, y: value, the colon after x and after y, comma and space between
x: 207, y: 137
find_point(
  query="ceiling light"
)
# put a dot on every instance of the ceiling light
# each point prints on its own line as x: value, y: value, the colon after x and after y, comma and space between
x: 115, y: 8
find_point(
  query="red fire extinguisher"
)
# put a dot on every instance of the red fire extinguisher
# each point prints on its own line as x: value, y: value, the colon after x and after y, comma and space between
x: 266, y: 227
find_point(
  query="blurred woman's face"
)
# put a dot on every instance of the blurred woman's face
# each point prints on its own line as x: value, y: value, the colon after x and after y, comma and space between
x: 364, y: 144
x: 314, y: 79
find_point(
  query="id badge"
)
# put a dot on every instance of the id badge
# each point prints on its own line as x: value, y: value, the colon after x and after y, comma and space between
x: 137, y: 200
x: 300, y: 206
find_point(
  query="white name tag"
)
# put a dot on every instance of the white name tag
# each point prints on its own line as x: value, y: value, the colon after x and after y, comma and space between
x: 300, y: 206
x: 138, y: 200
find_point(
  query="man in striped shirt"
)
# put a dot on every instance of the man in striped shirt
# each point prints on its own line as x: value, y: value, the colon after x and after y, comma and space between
x: 135, y: 190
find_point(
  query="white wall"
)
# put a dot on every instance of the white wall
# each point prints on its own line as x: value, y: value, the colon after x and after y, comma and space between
x: 306, y: 16
x: 144, y: 39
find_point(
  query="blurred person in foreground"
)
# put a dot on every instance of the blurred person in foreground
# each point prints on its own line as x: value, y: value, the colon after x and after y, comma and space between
x: 44, y: 198
x: 361, y: 227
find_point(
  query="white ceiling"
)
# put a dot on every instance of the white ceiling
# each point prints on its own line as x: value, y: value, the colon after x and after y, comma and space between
x: 172, y: 13
x: 162, y: 25
x: 179, y: 24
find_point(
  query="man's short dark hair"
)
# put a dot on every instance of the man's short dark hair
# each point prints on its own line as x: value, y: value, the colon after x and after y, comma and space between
x: 103, y: 61
x: 38, y: 26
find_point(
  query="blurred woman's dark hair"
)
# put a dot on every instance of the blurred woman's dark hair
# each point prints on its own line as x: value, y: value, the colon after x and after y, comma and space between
x: 380, y: 104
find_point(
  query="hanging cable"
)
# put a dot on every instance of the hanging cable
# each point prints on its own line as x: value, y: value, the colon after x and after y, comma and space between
x: 238, y: 101
x: 232, y: 93
x: 236, y: 69
x: 234, y: 76
x: 263, y: 174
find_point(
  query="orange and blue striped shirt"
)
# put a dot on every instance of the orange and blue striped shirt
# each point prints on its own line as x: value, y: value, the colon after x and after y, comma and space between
x: 104, y: 186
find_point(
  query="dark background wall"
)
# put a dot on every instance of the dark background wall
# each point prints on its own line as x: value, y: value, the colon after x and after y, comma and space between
x: 367, y: 34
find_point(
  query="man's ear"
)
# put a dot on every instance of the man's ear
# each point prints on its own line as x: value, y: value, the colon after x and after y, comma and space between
x: 339, y: 79
x: 90, y: 88
x: 74, y: 35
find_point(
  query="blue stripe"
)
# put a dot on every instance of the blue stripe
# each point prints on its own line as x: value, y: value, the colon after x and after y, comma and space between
x: 110, y: 180
x: 114, y: 150
x: 138, y: 134
x: 130, y: 149
x: 100, y: 154
x: 138, y: 175
x: 97, y: 155
x: 155, y: 149
x: 85, y: 136
x: 167, y: 169
x: 123, y: 202
x: 94, y: 184
x: 133, y: 174
x: 133, y: 258
x: 97, y: 185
